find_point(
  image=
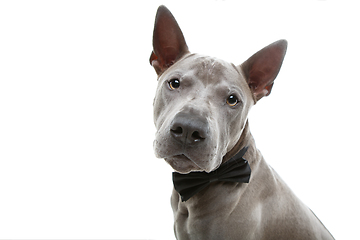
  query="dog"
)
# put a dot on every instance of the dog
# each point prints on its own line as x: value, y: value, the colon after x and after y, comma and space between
x: 200, y: 114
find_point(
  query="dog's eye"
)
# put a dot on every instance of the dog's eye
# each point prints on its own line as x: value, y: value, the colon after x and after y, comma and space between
x: 232, y: 100
x: 174, y: 83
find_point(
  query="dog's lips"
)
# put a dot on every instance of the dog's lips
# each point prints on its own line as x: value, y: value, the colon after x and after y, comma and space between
x: 182, y: 164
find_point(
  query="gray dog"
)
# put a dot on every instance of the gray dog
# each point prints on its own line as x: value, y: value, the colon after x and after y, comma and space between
x: 224, y: 189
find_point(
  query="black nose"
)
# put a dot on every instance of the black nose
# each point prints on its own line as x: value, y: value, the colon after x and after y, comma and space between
x: 189, y: 128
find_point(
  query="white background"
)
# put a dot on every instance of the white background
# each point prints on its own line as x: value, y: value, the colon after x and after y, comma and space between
x: 76, y: 130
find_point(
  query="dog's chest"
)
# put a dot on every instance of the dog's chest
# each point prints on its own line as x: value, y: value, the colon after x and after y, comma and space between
x: 213, y: 227
x: 215, y: 219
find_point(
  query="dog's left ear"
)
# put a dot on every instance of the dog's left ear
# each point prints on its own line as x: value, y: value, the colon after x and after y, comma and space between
x: 262, y: 68
x: 168, y: 41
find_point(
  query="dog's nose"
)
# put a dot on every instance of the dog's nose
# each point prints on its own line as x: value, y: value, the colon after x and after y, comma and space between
x: 189, y: 129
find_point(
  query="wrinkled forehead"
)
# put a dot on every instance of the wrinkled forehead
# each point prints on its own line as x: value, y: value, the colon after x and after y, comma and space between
x: 207, y: 69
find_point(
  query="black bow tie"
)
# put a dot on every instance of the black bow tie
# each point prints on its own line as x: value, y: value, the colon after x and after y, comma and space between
x: 237, y: 169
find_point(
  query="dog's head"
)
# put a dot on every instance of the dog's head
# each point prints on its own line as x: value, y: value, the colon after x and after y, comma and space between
x: 201, y: 103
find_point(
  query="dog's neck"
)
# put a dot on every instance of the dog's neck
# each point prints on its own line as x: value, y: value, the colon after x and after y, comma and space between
x: 245, y: 140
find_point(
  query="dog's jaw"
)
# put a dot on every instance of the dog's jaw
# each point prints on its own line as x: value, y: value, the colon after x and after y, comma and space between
x: 182, y: 164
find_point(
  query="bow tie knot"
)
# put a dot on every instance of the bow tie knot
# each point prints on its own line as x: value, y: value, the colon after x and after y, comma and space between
x: 237, y: 169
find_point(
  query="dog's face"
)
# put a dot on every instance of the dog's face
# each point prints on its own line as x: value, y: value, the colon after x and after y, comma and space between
x: 201, y: 104
x: 200, y: 109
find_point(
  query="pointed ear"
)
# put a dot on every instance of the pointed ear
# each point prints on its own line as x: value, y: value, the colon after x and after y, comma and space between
x: 262, y: 68
x: 168, y: 41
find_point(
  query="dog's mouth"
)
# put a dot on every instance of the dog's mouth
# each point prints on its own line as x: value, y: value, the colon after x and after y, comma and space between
x: 182, y: 164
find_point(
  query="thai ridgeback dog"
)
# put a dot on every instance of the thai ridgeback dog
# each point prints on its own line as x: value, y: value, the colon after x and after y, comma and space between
x: 201, y: 115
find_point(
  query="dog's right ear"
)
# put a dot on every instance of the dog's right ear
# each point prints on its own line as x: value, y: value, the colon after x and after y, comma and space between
x: 168, y: 41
